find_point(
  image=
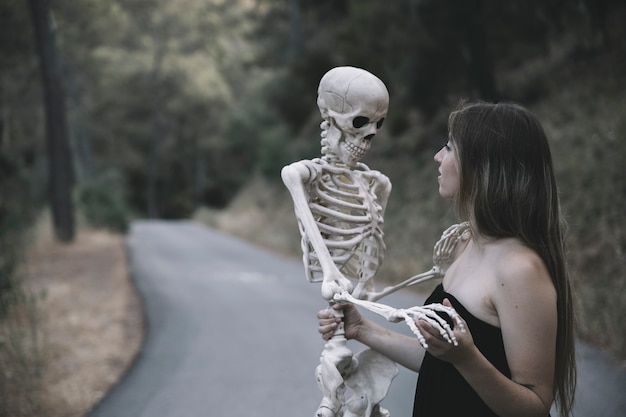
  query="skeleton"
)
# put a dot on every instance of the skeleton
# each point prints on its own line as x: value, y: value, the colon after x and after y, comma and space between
x: 339, y: 204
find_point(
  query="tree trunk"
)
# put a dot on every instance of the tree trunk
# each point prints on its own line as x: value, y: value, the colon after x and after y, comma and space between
x: 60, y: 179
x: 481, y: 67
x: 157, y: 132
x: 296, y: 39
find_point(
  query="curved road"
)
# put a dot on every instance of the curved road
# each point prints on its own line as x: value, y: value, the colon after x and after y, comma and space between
x: 231, y: 331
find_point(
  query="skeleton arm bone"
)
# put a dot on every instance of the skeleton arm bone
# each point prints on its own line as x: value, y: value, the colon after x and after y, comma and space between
x: 427, y: 313
x: 295, y: 176
x: 416, y: 279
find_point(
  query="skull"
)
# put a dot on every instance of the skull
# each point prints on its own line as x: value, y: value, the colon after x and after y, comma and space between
x: 353, y: 103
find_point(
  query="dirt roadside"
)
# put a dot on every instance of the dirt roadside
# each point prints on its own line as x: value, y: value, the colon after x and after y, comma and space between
x: 90, y: 319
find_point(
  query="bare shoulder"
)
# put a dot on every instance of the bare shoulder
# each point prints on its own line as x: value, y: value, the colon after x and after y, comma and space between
x: 521, y: 273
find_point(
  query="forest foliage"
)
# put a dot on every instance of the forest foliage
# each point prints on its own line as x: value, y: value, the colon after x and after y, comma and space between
x: 174, y: 105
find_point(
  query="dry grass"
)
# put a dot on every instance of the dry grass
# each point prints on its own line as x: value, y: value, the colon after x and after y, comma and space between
x: 21, y: 359
x: 88, y: 326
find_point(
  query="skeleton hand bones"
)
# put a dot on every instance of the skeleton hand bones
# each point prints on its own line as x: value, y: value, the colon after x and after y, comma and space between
x: 427, y: 313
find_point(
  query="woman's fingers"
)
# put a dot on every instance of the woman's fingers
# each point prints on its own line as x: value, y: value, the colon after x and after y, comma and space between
x: 431, y: 335
x: 324, y: 314
x: 325, y: 317
x: 328, y: 330
x: 327, y: 323
x: 427, y: 329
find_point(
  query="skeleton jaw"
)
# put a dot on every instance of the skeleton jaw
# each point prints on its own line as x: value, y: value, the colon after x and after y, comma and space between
x: 350, y: 153
x: 355, y: 151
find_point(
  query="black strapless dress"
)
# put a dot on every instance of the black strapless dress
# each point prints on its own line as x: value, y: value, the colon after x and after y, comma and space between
x: 441, y: 390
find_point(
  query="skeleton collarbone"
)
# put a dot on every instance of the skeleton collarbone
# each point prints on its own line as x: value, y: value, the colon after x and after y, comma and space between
x: 348, y: 206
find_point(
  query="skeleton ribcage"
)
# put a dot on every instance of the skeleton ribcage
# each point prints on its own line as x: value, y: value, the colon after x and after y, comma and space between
x: 350, y: 221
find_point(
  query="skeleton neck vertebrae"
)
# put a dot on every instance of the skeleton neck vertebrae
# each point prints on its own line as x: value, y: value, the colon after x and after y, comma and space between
x: 340, y: 204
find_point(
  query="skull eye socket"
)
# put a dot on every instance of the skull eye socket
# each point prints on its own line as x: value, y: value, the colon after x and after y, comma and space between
x: 379, y: 123
x: 360, y: 121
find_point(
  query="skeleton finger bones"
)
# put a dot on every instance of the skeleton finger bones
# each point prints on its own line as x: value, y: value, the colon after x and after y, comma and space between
x: 443, y: 252
x: 428, y: 313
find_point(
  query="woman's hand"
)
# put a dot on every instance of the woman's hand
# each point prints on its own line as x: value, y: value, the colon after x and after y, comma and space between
x: 328, y: 321
x: 441, y: 348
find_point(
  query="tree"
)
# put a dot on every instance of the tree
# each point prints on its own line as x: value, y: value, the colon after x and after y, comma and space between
x: 59, y: 157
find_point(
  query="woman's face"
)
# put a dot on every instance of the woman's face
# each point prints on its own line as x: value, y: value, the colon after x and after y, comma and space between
x: 448, y: 171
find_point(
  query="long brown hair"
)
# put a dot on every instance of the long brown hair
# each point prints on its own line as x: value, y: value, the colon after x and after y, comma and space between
x: 508, y: 189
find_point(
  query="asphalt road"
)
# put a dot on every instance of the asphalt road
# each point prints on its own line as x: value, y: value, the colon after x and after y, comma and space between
x: 231, y: 331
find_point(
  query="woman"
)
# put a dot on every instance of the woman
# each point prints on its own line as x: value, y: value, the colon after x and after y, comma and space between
x: 508, y: 281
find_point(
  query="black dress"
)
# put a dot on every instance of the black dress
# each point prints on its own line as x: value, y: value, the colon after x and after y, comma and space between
x: 441, y: 390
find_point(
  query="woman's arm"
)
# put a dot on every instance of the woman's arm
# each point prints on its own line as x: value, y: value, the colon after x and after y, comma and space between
x: 400, y: 348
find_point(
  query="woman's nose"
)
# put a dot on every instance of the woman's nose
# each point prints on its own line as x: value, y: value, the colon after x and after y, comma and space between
x: 437, y: 156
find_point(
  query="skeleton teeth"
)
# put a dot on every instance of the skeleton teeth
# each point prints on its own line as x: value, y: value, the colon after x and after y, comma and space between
x: 356, y: 151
